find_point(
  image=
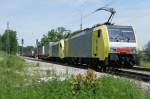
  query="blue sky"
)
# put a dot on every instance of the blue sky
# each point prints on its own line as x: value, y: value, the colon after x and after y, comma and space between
x: 33, y: 18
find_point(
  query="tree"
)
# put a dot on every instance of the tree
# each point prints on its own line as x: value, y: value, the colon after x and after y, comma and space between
x: 65, y: 33
x: 44, y: 40
x: 54, y: 35
x: 147, y: 52
x: 28, y: 49
x: 61, y: 30
x: 9, y: 41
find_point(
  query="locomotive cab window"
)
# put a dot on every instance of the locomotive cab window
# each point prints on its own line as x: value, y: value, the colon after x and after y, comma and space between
x: 99, y: 33
x: 121, y: 34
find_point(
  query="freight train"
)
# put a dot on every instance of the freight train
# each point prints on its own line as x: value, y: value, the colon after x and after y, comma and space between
x: 102, y: 45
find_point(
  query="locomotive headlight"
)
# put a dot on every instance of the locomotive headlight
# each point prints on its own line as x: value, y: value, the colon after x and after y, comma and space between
x: 133, y: 50
x: 112, y: 50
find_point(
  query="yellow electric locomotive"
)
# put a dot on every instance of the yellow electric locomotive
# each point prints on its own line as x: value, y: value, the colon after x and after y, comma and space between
x: 103, y: 45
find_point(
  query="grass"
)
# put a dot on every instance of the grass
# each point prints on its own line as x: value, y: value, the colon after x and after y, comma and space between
x: 145, y: 63
x: 11, y: 74
x: 14, y: 84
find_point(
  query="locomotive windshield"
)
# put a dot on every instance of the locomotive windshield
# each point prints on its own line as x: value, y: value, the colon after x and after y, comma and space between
x: 121, y: 34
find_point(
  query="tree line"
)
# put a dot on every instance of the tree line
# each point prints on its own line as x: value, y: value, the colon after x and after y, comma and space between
x: 8, y: 41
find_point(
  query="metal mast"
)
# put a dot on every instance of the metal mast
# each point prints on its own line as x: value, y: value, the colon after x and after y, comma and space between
x: 8, y: 39
x: 81, y: 23
x: 22, y: 42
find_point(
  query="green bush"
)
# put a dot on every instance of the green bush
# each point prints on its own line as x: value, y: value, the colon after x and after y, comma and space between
x: 105, y: 88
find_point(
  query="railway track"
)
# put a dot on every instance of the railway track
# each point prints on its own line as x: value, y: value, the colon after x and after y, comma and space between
x: 138, y: 73
x: 141, y: 68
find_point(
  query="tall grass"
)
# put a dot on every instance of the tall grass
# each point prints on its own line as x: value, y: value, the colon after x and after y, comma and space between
x: 11, y: 75
x: 14, y: 84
